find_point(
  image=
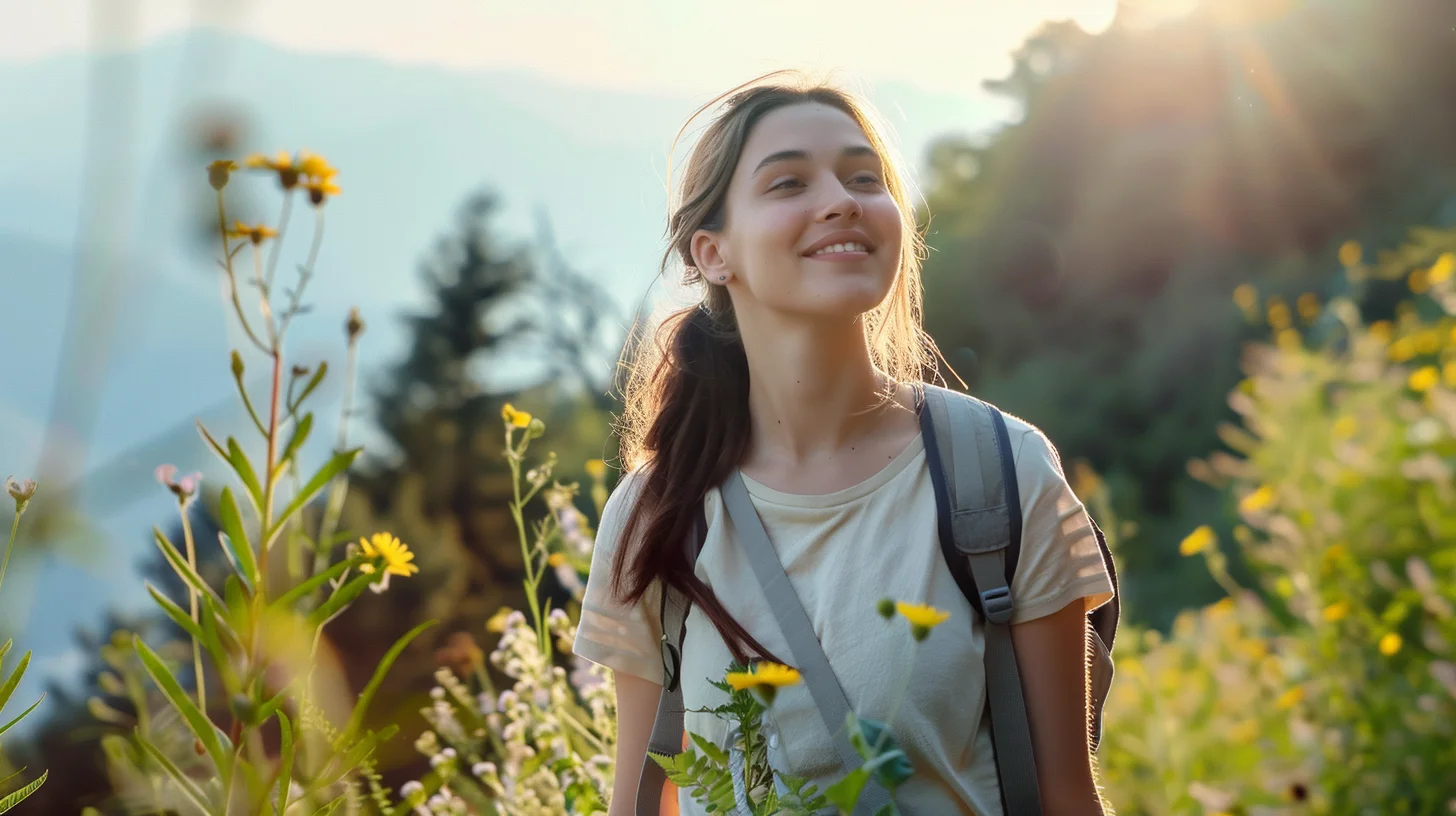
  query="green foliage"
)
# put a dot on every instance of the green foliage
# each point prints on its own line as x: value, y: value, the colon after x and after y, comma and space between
x: 1330, y: 684
x: 18, y: 791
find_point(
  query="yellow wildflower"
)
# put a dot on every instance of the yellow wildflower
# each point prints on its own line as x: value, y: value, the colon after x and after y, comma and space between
x: 556, y: 559
x: 1245, y: 297
x: 1390, y: 644
x: 497, y: 622
x: 1419, y: 281
x: 1402, y: 350
x: 764, y: 680
x: 1308, y: 306
x: 514, y: 418
x: 282, y: 164
x: 1448, y: 373
x: 1344, y: 428
x: 1442, y: 269
x: 922, y: 618
x: 1197, y: 541
x: 1258, y: 500
x: 1288, y: 339
x: 1428, y: 342
x: 1290, y: 698
x: 1381, y: 329
x: 218, y: 172
x: 396, y: 555
x: 258, y: 233
x: 1278, y: 313
x: 1350, y: 253
x: 1423, y: 379
x: 320, y: 190
x: 596, y: 468
x: 315, y: 166
x: 1335, y: 611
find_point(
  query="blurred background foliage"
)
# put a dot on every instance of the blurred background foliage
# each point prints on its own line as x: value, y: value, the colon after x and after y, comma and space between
x: 1210, y: 259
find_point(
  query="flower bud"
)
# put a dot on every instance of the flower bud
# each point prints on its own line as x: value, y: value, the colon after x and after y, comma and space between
x: 886, y: 608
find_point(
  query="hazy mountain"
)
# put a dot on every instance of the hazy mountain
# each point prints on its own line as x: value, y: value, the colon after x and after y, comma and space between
x: 411, y: 143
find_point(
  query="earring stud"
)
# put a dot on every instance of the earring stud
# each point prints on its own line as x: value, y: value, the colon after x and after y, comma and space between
x: 722, y: 277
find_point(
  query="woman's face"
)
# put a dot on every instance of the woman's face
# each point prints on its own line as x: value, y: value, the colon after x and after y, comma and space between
x: 810, y: 228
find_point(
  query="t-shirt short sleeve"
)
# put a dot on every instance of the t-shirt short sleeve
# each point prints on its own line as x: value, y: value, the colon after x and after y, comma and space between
x: 624, y: 638
x: 1060, y: 559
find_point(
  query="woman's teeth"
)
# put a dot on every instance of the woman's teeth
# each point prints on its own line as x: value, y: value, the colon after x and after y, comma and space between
x: 841, y: 248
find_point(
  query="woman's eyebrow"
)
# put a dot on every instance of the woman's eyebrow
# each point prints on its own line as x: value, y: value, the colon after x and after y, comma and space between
x: 854, y: 151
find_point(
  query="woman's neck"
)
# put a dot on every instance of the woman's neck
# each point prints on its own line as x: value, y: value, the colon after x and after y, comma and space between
x: 814, y: 392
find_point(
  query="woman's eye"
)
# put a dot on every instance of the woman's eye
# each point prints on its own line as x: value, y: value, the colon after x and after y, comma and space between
x: 866, y: 178
x: 783, y: 184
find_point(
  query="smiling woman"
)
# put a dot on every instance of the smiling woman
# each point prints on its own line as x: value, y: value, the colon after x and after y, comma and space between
x: 789, y: 401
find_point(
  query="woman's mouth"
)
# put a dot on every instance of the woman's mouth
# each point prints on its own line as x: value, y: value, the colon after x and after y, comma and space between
x: 841, y: 252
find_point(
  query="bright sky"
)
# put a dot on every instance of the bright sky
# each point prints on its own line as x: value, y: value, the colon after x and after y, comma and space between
x: 690, y: 46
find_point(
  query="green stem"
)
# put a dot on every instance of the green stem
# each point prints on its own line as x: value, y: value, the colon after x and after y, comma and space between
x: 227, y: 265
x: 305, y: 273
x: 334, y: 506
x: 4, y: 565
x: 519, y: 517
x: 278, y: 239
x: 192, y: 603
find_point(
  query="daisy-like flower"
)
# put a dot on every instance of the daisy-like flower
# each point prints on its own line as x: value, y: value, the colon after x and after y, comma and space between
x: 396, y: 555
x: 282, y: 164
x: 922, y: 618
x: 1197, y: 541
x: 764, y: 680
x: 320, y: 190
x: 514, y: 418
x: 315, y: 166
x: 258, y: 233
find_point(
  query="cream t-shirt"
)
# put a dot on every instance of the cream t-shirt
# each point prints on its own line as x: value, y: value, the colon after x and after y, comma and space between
x: 843, y: 552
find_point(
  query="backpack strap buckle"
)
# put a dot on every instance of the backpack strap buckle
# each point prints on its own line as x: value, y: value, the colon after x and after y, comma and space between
x: 997, y: 605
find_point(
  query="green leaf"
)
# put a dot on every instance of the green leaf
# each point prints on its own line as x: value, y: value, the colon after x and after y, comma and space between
x: 11, y: 724
x: 313, y: 382
x: 178, y: 616
x: 20, y: 796
x: 288, y: 598
x: 8, y: 687
x: 285, y: 767
x: 327, y: 810
x: 845, y: 793
x: 710, y: 750
x: 189, y: 786
x: 300, y: 435
x: 237, y: 542
x: 337, y: 464
x: 212, y: 443
x: 5, y: 649
x: 271, y: 705
x: 237, y: 601
x: 342, y: 597
x: 180, y: 566
x: 212, y: 737
x: 244, y: 468
x: 356, y: 719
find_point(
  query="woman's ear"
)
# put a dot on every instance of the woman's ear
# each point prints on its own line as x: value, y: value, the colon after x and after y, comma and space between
x: 707, y: 249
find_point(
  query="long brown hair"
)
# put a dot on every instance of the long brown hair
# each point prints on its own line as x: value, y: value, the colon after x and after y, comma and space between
x: 686, y: 420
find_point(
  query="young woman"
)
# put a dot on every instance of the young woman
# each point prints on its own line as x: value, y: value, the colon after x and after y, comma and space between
x: 798, y: 369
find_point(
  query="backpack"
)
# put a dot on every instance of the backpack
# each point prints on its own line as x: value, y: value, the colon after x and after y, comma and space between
x: 972, y: 470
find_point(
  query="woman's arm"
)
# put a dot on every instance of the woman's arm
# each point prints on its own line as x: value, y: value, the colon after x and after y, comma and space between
x: 636, y: 712
x: 1051, y: 653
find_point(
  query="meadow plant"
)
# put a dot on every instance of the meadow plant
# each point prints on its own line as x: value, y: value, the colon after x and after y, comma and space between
x: 256, y: 721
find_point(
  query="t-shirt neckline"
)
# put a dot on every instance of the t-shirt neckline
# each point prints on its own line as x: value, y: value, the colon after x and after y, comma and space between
x: 759, y: 490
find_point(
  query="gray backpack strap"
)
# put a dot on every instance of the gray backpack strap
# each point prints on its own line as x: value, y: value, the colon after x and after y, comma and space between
x: 804, y: 647
x: 972, y: 447
x: 667, y: 727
